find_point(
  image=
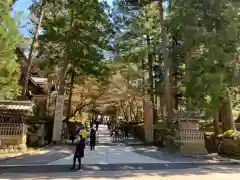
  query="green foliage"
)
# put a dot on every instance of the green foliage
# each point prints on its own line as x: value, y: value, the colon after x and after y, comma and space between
x: 210, y: 31
x: 77, y: 30
x: 230, y: 132
x: 133, y: 25
x: 205, y: 67
x: 9, y: 68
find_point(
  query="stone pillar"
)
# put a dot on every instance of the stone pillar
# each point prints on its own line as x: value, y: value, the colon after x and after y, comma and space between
x: 148, y: 122
x: 23, y: 137
x: 23, y: 142
x: 58, y: 117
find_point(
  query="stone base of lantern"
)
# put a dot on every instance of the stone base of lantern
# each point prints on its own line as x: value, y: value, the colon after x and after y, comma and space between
x: 13, y: 142
x: 191, y: 148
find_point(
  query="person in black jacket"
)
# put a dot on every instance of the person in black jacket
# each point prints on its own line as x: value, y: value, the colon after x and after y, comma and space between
x: 92, y: 139
x: 109, y: 124
x: 97, y: 124
x: 79, y: 152
x: 126, y: 131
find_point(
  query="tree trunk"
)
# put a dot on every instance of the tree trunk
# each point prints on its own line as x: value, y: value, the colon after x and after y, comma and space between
x: 162, y: 104
x: 225, y: 113
x: 176, y: 103
x: 175, y: 80
x: 30, y: 55
x: 132, y: 110
x: 187, y: 76
x: 167, y: 70
x: 123, y: 110
x: 58, y: 118
x: 69, y: 111
x: 143, y: 76
x: 12, y: 3
x: 167, y: 84
x: 150, y: 73
x: 217, y: 128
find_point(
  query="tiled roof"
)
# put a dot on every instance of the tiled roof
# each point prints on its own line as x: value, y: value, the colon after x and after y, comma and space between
x: 41, y: 82
x: 16, y: 106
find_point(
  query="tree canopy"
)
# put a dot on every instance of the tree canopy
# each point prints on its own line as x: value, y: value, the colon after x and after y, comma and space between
x: 9, y: 39
x: 184, y: 56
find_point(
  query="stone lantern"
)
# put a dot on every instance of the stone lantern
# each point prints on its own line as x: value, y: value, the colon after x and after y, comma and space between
x: 187, y: 121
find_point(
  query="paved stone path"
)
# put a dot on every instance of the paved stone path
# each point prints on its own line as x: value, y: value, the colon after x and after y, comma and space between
x: 47, y: 155
x: 109, y: 159
x: 118, y: 153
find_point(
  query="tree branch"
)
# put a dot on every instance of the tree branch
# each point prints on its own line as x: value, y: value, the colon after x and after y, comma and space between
x: 83, y: 105
x: 123, y: 109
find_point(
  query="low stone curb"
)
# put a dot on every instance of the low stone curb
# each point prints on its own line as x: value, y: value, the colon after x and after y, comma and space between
x: 24, y: 153
x: 215, y: 158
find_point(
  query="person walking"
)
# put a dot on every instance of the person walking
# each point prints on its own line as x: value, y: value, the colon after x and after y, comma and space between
x: 109, y: 124
x: 72, y: 136
x: 97, y: 124
x: 92, y: 139
x: 126, y: 131
x: 79, y: 152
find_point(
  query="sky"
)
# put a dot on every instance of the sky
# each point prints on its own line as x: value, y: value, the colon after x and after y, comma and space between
x: 21, y: 7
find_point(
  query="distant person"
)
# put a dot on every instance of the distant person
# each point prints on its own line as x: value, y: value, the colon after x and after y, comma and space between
x: 109, y: 124
x: 92, y: 139
x: 79, y: 128
x: 72, y: 136
x: 126, y: 131
x: 79, y: 152
x: 111, y: 130
x: 91, y: 123
x: 97, y: 124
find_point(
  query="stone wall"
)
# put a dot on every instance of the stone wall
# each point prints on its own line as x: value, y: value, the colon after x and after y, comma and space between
x: 230, y: 146
x: 191, y: 148
x: 13, y: 135
x: 160, y: 136
x: 164, y: 138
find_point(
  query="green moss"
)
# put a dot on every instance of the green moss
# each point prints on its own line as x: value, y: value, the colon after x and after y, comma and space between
x: 160, y: 125
x: 230, y: 133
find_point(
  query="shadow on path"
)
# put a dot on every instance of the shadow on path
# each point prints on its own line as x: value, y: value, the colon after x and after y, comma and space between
x: 228, y: 172
x: 106, y: 167
x: 156, y: 152
x: 52, y: 153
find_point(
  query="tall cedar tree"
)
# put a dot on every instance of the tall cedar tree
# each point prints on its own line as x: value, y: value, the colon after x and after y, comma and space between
x: 210, y: 33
